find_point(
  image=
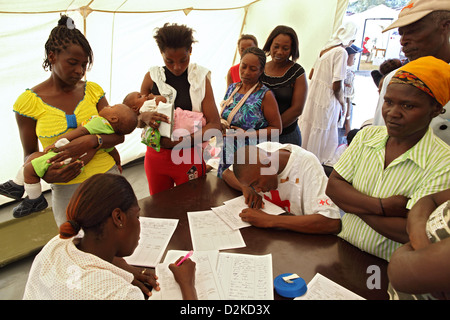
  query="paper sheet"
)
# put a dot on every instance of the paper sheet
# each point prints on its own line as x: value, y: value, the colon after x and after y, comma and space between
x: 207, y: 283
x: 154, y: 237
x: 209, y: 232
x: 246, y: 277
x: 231, y: 209
x: 165, y: 129
x: 322, y: 288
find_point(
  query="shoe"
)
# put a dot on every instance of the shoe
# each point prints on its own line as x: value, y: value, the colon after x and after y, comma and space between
x: 28, y: 206
x: 11, y: 189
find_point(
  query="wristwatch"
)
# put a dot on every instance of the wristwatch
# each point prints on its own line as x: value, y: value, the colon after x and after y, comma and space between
x: 100, y: 142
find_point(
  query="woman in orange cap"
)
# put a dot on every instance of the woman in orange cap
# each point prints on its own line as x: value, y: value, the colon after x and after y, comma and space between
x: 387, y: 169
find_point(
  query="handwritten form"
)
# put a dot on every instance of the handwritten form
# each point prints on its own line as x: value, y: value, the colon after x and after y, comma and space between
x: 209, y: 232
x: 219, y: 276
x: 231, y: 209
x: 322, y: 288
x: 207, y: 283
x: 154, y: 237
x: 245, y: 277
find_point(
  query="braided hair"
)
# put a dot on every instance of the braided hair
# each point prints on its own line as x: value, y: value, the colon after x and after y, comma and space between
x: 61, y: 37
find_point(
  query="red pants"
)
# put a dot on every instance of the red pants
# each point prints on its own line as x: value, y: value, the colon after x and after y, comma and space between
x: 165, y: 168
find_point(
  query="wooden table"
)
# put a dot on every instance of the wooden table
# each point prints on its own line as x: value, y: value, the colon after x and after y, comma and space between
x: 292, y: 252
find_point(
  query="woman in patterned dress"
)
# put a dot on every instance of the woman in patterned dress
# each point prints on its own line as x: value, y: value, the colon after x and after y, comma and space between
x: 258, y: 118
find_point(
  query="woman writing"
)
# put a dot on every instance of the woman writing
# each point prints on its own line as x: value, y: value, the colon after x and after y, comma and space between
x: 60, y: 104
x: 185, y: 85
x: 286, y: 79
x: 105, y: 208
x: 249, y: 108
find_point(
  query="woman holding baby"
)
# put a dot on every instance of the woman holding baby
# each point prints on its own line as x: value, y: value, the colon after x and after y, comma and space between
x: 187, y: 86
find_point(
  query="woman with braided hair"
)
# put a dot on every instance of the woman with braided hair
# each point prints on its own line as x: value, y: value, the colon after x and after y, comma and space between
x: 106, y: 210
x: 58, y: 105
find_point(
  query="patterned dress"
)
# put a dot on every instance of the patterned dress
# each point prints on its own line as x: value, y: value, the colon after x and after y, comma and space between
x: 249, y: 116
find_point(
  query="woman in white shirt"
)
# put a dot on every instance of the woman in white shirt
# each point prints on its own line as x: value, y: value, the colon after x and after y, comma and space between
x: 105, y: 208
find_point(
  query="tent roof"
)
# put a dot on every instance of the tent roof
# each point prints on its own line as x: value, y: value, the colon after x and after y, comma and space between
x: 125, y: 6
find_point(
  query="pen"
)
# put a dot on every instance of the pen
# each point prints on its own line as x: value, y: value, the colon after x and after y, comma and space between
x: 185, y: 257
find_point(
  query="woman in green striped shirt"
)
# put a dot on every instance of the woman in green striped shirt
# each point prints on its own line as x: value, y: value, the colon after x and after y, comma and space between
x: 388, y: 168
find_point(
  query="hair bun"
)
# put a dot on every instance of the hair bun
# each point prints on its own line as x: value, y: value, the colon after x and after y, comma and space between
x: 66, y: 21
x: 69, y: 229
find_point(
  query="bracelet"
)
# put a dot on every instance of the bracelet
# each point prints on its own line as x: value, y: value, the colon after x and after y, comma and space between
x: 382, y: 208
x: 100, y: 142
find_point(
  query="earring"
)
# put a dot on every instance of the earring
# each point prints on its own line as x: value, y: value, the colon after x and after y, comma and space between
x: 120, y: 225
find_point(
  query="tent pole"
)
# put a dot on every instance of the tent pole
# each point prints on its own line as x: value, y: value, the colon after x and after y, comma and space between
x: 244, y: 21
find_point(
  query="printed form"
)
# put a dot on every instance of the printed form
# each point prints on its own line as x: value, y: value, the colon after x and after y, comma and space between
x: 209, y: 232
x: 231, y: 209
x: 219, y: 276
x: 207, y: 284
x: 154, y: 238
x: 245, y: 276
x: 322, y: 288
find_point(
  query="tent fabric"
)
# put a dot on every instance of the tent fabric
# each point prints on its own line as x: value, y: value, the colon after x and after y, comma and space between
x: 121, y: 35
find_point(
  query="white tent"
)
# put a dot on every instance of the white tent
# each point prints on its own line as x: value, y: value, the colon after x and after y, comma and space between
x: 121, y: 35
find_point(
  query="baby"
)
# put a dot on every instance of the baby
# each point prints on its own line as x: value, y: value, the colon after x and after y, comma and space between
x: 184, y: 122
x: 118, y: 119
x: 140, y: 103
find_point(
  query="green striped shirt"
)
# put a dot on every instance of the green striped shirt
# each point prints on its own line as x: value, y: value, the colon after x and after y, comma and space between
x: 422, y: 170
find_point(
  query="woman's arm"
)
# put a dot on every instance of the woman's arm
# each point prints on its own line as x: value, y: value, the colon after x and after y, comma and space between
x: 297, y: 103
x: 387, y: 216
x: 338, y: 92
x: 229, y: 80
x: 28, y: 137
x: 271, y: 113
x: 209, y: 109
x: 57, y: 172
x: 346, y: 197
x: 147, y: 84
x: 421, y: 271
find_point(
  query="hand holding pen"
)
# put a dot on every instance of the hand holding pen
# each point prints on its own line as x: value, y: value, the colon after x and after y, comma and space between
x: 184, y: 273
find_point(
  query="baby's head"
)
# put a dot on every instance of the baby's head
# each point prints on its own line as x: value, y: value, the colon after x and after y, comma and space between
x: 135, y: 100
x: 122, y: 118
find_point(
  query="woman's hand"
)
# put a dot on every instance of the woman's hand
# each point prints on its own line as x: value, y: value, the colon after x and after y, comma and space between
x: 76, y: 149
x: 153, y: 119
x: 59, y: 172
x: 144, y: 280
x: 395, y: 206
x: 184, y: 275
